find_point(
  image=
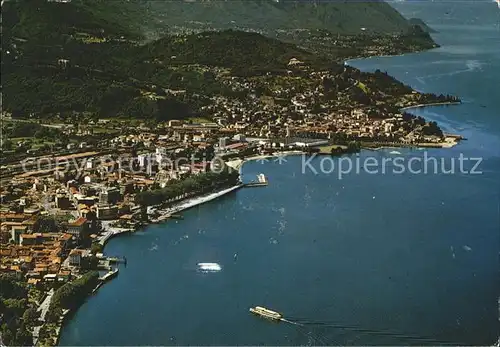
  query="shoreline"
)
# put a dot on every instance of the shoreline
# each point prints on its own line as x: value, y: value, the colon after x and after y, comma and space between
x: 417, y: 51
x: 444, y: 103
x: 195, y: 201
x: 445, y: 143
x: 111, y: 231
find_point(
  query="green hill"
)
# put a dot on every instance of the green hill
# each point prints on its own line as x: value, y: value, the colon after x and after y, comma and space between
x: 242, y: 52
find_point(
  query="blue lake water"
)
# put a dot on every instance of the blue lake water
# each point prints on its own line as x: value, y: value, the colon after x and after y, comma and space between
x: 374, y: 259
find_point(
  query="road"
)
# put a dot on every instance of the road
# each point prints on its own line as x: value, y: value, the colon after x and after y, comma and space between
x: 43, y: 308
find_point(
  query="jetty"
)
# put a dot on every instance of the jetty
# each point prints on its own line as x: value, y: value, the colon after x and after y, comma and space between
x: 166, y: 216
x: 161, y: 218
x: 261, y: 181
x: 109, y: 275
x: 117, y: 260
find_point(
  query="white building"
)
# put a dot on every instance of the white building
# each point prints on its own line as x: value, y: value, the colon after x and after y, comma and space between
x: 222, y: 142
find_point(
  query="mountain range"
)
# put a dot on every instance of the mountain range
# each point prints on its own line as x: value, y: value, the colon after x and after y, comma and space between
x: 343, y: 17
x: 150, y: 18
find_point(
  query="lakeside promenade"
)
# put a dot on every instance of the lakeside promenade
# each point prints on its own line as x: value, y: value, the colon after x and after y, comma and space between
x: 43, y: 309
x: 111, y: 231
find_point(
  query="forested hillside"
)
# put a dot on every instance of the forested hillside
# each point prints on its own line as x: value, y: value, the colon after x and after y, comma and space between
x: 96, y: 70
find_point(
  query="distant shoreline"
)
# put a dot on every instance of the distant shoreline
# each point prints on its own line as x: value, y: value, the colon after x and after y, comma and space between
x: 446, y: 103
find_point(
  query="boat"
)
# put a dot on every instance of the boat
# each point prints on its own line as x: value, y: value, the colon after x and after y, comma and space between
x: 261, y: 181
x: 261, y: 178
x: 266, y: 313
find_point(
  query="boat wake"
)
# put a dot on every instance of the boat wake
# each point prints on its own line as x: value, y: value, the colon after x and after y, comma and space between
x: 373, y: 332
x: 291, y: 322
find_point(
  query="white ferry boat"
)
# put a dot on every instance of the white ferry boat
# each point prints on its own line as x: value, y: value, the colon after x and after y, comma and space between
x: 266, y: 313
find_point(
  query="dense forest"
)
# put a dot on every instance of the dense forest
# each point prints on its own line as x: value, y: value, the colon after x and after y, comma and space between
x: 16, y: 316
x: 72, y: 294
x: 193, y: 185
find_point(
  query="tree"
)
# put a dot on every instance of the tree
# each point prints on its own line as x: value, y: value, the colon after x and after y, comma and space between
x: 30, y: 316
x: 7, y: 335
x: 7, y: 145
x: 353, y: 146
x: 15, y: 307
x: 96, y: 248
x: 11, y: 287
x: 53, y: 314
x: 46, y: 224
x: 336, y: 150
x: 72, y: 294
x: 23, y: 337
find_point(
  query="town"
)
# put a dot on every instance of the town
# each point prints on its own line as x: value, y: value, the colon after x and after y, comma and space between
x: 71, y: 183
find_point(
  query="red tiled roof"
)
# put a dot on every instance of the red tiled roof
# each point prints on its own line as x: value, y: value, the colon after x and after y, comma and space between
x: 236, y: 145
x: 18, y: 216
x: 30, y: 236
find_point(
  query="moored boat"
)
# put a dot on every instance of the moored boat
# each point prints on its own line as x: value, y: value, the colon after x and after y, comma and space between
x: 261, y: 178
